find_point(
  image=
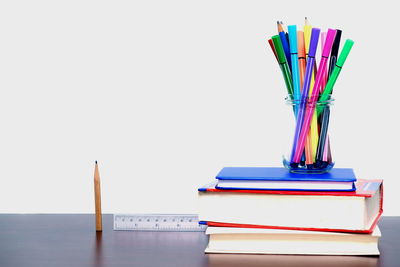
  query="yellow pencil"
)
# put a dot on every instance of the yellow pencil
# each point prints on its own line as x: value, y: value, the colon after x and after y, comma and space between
x: 306, y: 22
x: 97, y: 198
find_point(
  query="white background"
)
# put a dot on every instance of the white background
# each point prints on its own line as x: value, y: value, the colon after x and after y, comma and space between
x: 165, y: 93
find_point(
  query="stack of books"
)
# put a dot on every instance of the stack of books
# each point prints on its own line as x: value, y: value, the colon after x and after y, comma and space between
x: 265, y: 210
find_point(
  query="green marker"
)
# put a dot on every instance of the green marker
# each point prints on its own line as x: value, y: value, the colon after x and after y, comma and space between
x: 326, y: 94
x: 283, y: 64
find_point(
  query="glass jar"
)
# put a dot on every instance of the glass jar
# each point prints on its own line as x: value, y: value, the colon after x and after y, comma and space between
x: 310, y: 150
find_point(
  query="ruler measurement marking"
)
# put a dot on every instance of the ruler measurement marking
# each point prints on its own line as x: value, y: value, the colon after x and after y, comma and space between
x: 158, y: 222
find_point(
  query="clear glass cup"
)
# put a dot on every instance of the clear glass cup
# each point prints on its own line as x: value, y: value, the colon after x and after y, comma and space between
x: 310, y: 150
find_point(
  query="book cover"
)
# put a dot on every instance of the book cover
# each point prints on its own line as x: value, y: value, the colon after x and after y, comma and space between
x: 282, y: 174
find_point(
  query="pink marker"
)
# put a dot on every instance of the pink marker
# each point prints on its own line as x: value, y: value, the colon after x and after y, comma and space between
x: 325, y: 74
x: 329, y: 152
x: 323, y: 84
x: 326, y: 149
x: 314, y: 96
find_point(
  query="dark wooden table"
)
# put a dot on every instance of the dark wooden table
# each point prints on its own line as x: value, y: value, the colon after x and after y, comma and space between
x: 70, y: 240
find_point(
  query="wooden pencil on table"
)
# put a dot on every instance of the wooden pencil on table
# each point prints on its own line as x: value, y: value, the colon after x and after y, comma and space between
x: 97, y: 198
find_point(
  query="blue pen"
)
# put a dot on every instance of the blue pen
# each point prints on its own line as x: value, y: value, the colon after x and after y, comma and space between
x: 292, y: 29
x: 285, y: 45
x: 306, y: 86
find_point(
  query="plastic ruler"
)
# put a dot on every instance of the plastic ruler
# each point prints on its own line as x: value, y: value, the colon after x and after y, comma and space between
x: 158, y: 222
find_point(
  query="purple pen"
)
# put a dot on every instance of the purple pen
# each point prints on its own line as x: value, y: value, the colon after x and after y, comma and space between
x: 310, y: 106
x: 306, y: 87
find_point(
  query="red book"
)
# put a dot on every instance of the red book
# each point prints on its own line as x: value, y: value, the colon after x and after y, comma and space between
x: 356, y: 212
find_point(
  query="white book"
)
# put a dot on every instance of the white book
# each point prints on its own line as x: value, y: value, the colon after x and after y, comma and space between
x: 296, y: 210
x: 273, y: 241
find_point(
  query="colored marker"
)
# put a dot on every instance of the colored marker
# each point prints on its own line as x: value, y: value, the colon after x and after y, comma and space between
x: 327, y: 150
x: 323, y: 147
x: 292, y: 29
x: 283, y: 64
x: 302, y: 56
x: 302, y: 70
x: 335, y: 73
x: 335, y: 51
x: 306, y: 87
x: 285, y: 45
x: 325, y: 73
x: 312, y: 137
x: 323, y: 150
x: 324, y: 120
x: 311, y: 106
x: 327, y: 157
x: 323, y: 136
x: 271, y: 44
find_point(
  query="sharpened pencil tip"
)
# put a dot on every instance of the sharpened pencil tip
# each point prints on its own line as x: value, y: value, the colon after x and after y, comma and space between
x: 96, y: 161
x: 277, y: 22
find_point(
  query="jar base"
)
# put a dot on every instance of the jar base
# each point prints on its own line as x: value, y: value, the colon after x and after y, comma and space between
x: 302, y: 168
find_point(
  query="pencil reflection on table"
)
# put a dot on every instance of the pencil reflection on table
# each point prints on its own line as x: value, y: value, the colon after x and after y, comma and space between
x: 97, y: 256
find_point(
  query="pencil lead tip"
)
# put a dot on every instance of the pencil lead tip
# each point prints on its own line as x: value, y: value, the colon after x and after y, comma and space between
x: 277, y: 22
x: 96, y: 162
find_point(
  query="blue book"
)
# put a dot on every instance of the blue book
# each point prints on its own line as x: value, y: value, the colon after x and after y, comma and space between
x: 275, y: 178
